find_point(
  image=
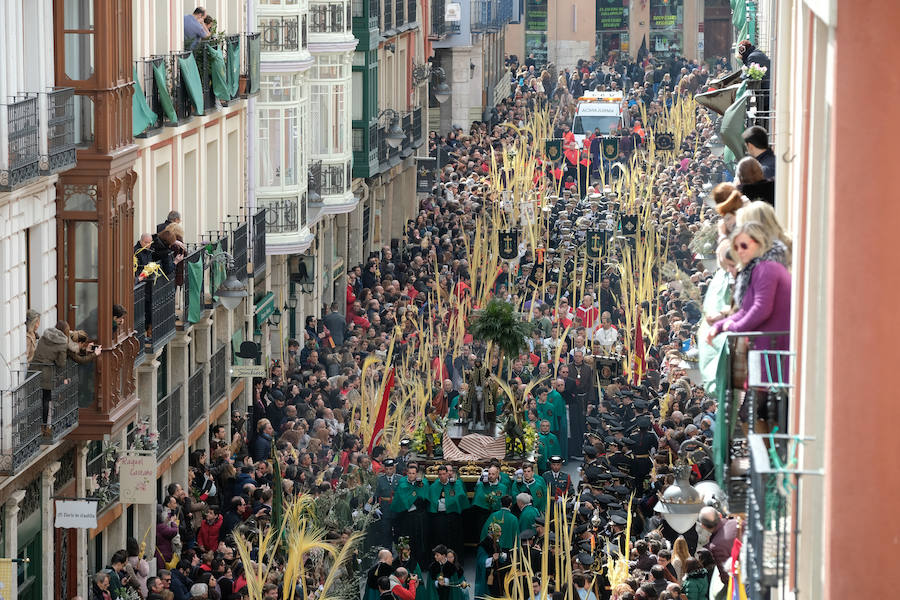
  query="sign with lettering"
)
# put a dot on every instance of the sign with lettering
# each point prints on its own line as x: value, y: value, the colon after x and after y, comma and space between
x: 137, y: 478
x: 612, y: 14
x: 76, y: 514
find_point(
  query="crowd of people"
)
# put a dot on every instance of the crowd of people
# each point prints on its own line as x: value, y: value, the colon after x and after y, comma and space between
x: 626, y: 435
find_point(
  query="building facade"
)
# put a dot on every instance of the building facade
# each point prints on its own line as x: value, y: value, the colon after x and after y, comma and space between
x: 469, y: 42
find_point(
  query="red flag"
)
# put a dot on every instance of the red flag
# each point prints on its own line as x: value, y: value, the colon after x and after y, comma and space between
x: 382, y: 410
x: 638, y: 352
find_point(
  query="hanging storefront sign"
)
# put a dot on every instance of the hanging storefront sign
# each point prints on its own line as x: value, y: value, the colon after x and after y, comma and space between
x: 76, y: 514
x: 137, y: 478
x: 612, y: 14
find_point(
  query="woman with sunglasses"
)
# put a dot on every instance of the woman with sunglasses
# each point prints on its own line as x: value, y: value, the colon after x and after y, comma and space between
x: 765, y: 304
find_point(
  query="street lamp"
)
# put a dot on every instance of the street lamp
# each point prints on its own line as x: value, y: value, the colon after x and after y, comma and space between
x: 680, y: 504
x: 275, y: 318
x: 232, y: 291
x: 441, y: 90
x: 394, y: 135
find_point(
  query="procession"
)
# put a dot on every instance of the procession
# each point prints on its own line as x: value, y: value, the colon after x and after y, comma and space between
x: 511, y: 392
x: 420, y: 300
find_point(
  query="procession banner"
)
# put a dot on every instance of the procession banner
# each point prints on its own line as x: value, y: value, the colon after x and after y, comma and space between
x: 6, y: 577
x: 425, y: 166
x: 137, y: 478
x: 76, y: 514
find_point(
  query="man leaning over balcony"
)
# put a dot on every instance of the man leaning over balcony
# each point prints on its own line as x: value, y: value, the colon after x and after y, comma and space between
x: 194, y: 28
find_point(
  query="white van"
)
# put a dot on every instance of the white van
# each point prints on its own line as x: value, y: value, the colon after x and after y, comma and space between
x: 598, y: 110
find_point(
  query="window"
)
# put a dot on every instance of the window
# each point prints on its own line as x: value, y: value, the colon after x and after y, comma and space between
x: 278, y: 143
x: 81, y: 275
x: 329, y: 116
x: 84, y: 121
x: 78, y: 39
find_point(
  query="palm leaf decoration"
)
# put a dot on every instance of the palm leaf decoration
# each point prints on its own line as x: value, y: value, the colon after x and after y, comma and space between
x: 498, y: 324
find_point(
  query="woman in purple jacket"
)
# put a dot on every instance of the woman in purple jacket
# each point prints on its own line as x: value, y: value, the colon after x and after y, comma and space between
x: 766, y: 302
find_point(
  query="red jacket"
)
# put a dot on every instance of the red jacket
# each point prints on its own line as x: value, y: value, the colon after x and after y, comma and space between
x: 405, y: 593
x: 208, y: 536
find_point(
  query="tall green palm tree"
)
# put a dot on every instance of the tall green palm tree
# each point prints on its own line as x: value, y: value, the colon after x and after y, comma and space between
x: 498, y: 324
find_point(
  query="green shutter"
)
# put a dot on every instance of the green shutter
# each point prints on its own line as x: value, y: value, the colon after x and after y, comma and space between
x: 190, y: 75
x: 141, y: 115
x: 234, y: 67
x: 253, y: 67
x: 218, y: 75
x: 195, y: 285
x: 733, y: 125
x: 162, y: 89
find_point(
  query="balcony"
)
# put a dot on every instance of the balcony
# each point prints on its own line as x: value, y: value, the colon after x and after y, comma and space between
x: 332, y: 17
x: 334, y: 179
x: 20, y: 421
x: 365, y: 14
x: 218, y: 375
x: 282, y: 215
x: 62, y: 413
x: 260, y: 228
x: 399, y: 6
x: 365, y: 150
x: 156, y: 300
x: 490, y: 15
x: 388, y: 16
x: 279, y: 34
x: 168, y: 421
x: 438, y: 28
x: 195, y: 397
x: 418, y: 132
x: 406, y: 148
x: 240, y: 249
x: 60, y: 117
x: 101, y: 469
x: 20, y: 154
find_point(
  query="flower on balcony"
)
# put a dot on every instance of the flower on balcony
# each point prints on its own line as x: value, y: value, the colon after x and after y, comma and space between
x: 755, y: 71
x: 105, y: 486
x: 151, y: 270
x: 145, y: 438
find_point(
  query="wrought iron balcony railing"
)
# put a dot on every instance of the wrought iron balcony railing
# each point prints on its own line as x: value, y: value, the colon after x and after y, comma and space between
x: 168, y: 419
x: 60, y: 116
x: 418, y: 132
x: 20, y: 151
x: 388, y: 16
x: 218, y: 375
x: 60, y: 413
x: 240, y: 249
x: 195, y: 396
x: 158, y: 325
x: 282, y: 214
x: 438, y: 24
x: 490, y: 15
x: 333, y: 17
x: 20, y: 421
x: 334, y: 180
x: 260, y: 227
x: 279, y: 34
x: 399, y: 6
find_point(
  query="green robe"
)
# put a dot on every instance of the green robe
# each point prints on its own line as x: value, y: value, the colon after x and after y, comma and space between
x: 562, y: 429
x: 488, y: 496
x: 546, y: 410
x: 538, y: 490
x: 547, y: 445
x: 455, y: 498
x: 509, y: 528
x: 406, y: 495
x: 526, y: 519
